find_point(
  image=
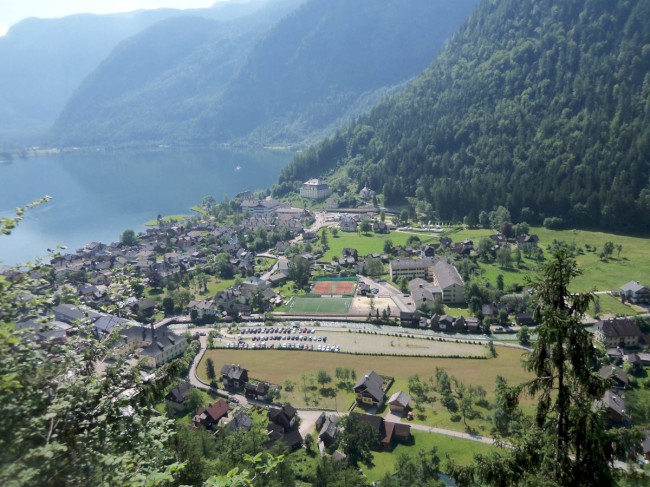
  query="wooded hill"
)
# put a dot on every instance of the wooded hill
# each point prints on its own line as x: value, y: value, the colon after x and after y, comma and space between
x: 542, y: 106
x: 197, y: 81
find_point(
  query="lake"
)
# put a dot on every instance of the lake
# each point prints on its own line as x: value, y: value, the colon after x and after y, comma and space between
x: 96, y: 196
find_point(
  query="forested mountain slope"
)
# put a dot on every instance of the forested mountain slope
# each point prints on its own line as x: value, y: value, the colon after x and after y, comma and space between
x: 299, y: 76
x: 44, y: 60
x: 542, y: 106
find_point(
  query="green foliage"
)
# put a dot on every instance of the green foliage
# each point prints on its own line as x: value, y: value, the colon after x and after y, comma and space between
x: 278, y: 76
x: 358, y: 439
x: 567, y: 443
x: 128, y: 238
x: 528, y: 101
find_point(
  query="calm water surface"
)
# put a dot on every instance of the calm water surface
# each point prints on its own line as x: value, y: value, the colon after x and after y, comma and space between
x: 97, y: 196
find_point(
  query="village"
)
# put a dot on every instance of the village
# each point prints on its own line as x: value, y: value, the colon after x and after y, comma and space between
x: 303, y: 285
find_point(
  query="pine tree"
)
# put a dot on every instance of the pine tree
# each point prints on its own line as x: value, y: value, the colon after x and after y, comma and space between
x: 567, y: 443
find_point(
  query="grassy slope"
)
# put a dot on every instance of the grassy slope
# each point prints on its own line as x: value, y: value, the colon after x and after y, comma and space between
x: 462, y: 451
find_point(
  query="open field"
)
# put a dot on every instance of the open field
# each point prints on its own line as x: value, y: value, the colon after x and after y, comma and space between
x: 633, y: 263
x: 167, y: 219
x: 319, y: 306
x: 462, y: 451
x: 388, y: 345
x: 277, y: 366
x: 612, y: 306
x: 367, y: 243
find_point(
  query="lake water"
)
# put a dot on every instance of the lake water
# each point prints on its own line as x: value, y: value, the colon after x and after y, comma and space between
x: 97, y: 196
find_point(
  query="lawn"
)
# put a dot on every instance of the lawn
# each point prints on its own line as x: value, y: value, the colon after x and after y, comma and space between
x: 167, y: 219
x: 367, y: 243
x: 633, y: 263
x: 215, y: 285
x: 462, y: 451
x: 319, y: 306
x: 277, y: 366
x: 610, y: 305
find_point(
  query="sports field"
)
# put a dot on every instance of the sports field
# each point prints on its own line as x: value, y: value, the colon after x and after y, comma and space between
x: 319, y: 306
x: 334, y: 287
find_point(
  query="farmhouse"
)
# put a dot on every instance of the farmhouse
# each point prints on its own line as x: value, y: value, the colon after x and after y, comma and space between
x: 208, y: 417
x: 635, y: 292
x: 369, y: 390
x: 234, y: 376
x: 615, y: 332
x: 315, y: 189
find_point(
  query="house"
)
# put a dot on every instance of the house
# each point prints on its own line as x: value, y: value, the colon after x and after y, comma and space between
x: 387, y: 431
x: 260, y: 207
x: 329, y: 430
x: 424, y: 293
x: 635, y: 292
x: 177, y: 396
x: 349, y: 223
x: 204, y: 309
x: 240, y: 422
x: 234, y: 376
x: 259, y: 391
x: 366, y: 193
x: 208, y: 417
x: 442, y: 322
x: 332, y: 203
x: 615, y: 332
x: 284, y: 417
x: 527, y: 240
x: 615, y: 412
x: 379, y: 227
x: 525, y: 319
x: 428, y: 250
x: 105, y: 325
x: 399, y: 402
x: 370, y: 390
x: 293, y: 438
x: 619, y: 376
x: 315, y: 189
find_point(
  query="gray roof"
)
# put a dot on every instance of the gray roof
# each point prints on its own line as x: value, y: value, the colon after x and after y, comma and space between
x: 422, y: 290
x: 446, y: 274
x: 105, y: 324
x: 618, y: 373
x: 371, y: 383
x: 632, y: 286
x: 406, y: 264
x: 614, y: 402
x: 400, y: 398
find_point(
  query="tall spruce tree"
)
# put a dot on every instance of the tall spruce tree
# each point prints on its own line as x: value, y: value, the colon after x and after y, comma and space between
x: 567, y: 443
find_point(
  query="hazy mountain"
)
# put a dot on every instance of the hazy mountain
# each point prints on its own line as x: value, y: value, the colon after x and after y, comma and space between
x: 542, y: 106
x: 321, y: 63
x: 44, y: 60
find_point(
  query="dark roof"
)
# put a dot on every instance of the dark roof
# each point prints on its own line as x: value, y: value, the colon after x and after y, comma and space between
x: 213, y: 413
x: 618, y: 327
x: 105, y: 324
x: 401, y: 429
x: 241, y: 421
x: 179, y: 393
x: 282, y: 415
x: 375, y: 421
x: 372, y: 384
x: 233, y: 372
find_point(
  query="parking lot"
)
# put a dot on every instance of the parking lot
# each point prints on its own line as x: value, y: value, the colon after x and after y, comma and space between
x: 327, y: 340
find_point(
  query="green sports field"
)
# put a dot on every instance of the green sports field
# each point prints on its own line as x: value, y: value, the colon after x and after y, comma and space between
x: 319, y: 306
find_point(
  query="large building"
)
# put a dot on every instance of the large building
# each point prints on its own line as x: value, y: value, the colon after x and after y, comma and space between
x: 444, y: 276
x: 411, y: 269
x: 615, y: 332
x: 447, y: 278
x: 315, y: 189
